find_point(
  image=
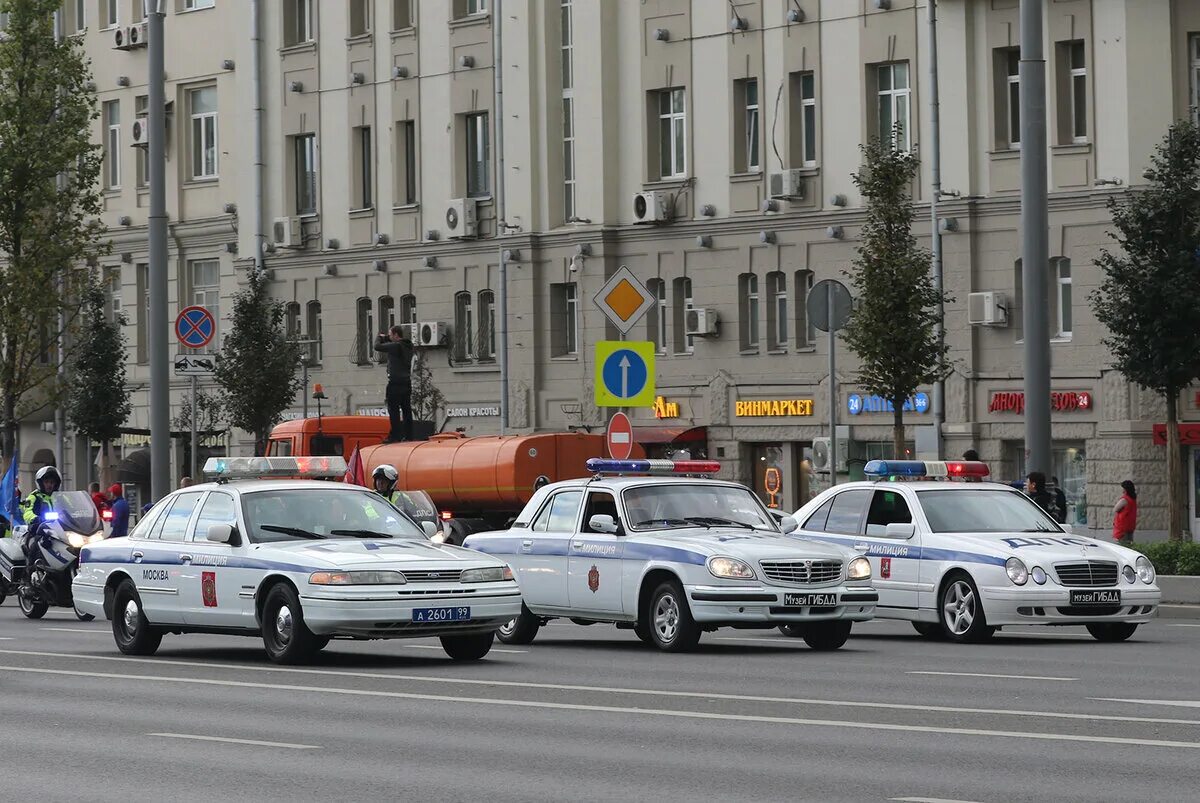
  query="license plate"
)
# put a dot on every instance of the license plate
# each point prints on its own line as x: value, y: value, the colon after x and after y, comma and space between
x: 441, y: 614
x: 809, y: 600
x: 1107, y: 597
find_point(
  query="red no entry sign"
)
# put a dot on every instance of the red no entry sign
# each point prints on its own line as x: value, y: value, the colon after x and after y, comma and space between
x: 619, y: 437
x: 195, y: 327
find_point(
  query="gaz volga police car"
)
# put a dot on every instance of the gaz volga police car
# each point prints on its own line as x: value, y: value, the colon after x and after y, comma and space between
x: 671, y: 557
x: 296, y: 561
x: 962, y: 559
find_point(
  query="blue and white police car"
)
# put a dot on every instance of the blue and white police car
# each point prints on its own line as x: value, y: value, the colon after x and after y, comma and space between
x: 961, y: 559
x: 671, y: 557
x: 295, y: 561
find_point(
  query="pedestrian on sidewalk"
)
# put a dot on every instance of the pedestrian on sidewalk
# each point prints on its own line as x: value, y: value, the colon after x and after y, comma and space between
x: 98, y: 499
x: 399, y: 350
x: 1125, y: 514
x: 120, y: 511
x: 1035, y: 487
x: 1060, y: 499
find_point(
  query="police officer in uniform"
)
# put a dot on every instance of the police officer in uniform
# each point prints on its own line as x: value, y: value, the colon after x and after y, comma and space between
x: 38, y: 503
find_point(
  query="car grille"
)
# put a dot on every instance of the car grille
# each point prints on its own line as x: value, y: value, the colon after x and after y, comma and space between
x: 432, y: 575
x: 1089, y: 573
x: 802, y: 572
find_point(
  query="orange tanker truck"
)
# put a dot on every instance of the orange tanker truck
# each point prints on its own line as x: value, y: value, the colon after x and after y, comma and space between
x: 475, y: 483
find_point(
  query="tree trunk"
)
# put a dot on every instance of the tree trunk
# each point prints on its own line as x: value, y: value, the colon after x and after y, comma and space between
x: 898, y: 428
x: 1175, y: 512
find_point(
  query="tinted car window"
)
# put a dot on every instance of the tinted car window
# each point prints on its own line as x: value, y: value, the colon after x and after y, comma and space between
x: 219, y: 508
x: 326, y: 446
x: 887, y: 507
x: 175, y: 520
x: 816, y: 522
x: 564, y: 510
x: 847, y: 512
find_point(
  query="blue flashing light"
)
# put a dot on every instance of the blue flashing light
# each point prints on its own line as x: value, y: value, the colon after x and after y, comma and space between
x: 50, y: 515
x: 939, y: 469
x: 599, y: 465
x: 895, y: 468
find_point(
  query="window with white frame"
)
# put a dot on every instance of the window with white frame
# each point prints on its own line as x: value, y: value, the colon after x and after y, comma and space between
x: 80, y: 9
x: 364, y: 324
x: 314, y: 332
x: 291, y: 320
x: 806, y: 333
x: 476, y: 7
x: 1008, y: 97
x: 298, y: 22
x: 4, y: 20
x: 1194, y: 75
x: 109, y: 14
x: 360, y: 17
x: 682, y: 290
x: 202, y: 105
x: 112, y: 144
x: 656, y: 316
x: 143, y: 312
x: 1062, y: 281
x: 364, y: 166
x: 192, y: 5
x: 777, y: 312
x: 113, y: 280
x: 464, y: 326
x: 564, y: 320
x: 487, y: 326
x: 567, y: 53
x: 1078, y: 84
x: 141, y: 107
x: 804, y: 99
x: 205, y: 280
x: 894, y: 97
x: 402, y: 16
x: 408, y: 310
x: 745, y: 92
x: 672, y: 133
x: 479, y: 160
x: 304, y: 152
x: 406, y: 163
x: 748, y: 319
x: 386, y: 317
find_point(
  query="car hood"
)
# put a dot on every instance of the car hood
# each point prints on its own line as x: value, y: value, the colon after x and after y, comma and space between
x: 375, y: 554
x: 748, y: 545
x: 1038, y: 548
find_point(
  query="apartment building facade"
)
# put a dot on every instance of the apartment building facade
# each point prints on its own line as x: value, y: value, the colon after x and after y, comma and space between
x: 708, y: 146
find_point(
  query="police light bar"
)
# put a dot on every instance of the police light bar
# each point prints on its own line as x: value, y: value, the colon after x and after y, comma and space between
x: 922, y: 469
x: 231, y: 468
x: 50, y: 515
x: 598, y: 465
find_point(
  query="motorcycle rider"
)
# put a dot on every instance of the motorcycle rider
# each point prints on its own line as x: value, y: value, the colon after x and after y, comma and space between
x: 384, y: 478
x: 35, y: 506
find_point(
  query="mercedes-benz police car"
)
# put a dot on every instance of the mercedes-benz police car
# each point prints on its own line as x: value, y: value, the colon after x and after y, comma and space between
x: 964, y: 558
x: 671, y: 557
x: 297, y: 561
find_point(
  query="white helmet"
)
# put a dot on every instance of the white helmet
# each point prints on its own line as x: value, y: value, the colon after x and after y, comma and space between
x: 47, y: 473
x: 387, y: 472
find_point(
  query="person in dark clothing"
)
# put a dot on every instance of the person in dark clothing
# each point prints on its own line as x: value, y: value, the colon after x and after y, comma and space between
x: 1060, y: 499
x: 399, y: 350
x: 1035, y: 487
x: 970, y: 454
x: 120, y: 512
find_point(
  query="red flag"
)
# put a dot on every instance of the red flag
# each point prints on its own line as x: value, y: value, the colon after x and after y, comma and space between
x: 354, y: 470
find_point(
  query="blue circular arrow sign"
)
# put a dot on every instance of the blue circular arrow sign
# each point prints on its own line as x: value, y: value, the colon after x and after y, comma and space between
x: 624, y: 374
x: 195, y: 327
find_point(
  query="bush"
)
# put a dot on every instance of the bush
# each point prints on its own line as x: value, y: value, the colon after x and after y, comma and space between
x: 1172, y: 557
x: 1189, y: 559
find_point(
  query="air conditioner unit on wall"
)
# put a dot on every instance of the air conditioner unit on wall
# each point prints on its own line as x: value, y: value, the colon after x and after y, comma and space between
x: 787, y: 185
x: 650, y: 206
x: 140, y: 132
x: 138, y: 35
x: 286, y: 233
x: 987, y: 309
x: 121, y: 38
x: 432, y: 334
x: 462, y: 221
x: 821, y: 454
x: 702, y: 323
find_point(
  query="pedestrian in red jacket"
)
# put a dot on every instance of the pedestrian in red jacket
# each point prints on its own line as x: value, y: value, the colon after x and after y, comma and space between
x: 1125, y: 514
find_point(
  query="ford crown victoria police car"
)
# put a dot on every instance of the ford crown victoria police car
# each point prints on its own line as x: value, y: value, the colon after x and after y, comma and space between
x: 296, y: 561
x: 672, y: 557
x: 962, y: 559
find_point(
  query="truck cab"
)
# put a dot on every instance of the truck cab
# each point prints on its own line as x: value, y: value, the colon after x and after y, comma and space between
x: 327, y: 436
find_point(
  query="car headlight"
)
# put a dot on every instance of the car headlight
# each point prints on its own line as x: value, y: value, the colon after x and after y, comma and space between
x: 1145, y: 570
x: 492, y: 574
x: 1038, y: 574
x: 859, y: 569
x: 1129, y: 574
x: 372, y: 578
x: 730, y: 568
x: 1016, y: 571
x: 76, y: 540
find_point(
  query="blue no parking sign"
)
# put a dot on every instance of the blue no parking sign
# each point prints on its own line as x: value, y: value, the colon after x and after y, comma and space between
x: 195, y: 327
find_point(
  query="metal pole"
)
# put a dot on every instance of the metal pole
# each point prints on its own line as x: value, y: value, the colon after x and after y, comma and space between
x: 1035, y: 248
x: 259, y: 163
x: 935, y: 172
x: 304, y: 393
x: 502, y: 299
x: 160, y: 389
x: 833, y: 393
x: 195, y: 411
x: 60, y: 418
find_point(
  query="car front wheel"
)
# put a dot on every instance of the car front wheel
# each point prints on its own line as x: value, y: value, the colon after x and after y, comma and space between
x: 827, y: 636
x: 132, y: 632
x: 522, y: 629
x: 672, y: 628
x: 286, y: 637
x: 1112, y: 632
x: 962, y: 615
x: 467, y: 648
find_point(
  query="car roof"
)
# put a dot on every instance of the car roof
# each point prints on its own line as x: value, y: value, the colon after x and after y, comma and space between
x: 926, y: 485
x: 621, y: 483
x: 255, y: 485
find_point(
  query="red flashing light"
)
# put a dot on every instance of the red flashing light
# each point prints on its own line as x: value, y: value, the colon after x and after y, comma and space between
x: 446, y: 515
x: 696, y: 467
x: 106, y: 515
x: 967, y: 468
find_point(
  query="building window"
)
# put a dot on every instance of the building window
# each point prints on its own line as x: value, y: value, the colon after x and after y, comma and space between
x: 487, y: 326
x: 364, y: 164
x: 745, y: 96
x: 806, y: 333
x: 473, y: 7
x: 109, y: 14
x: 656, y: 316
x: 141, y: 108
x: 205, y: 277
x: 564, y: 320
x: 1062, y: 281
x: 672, y: 133
x: 203, y: 106
x: 682, y: 288
x: 192, y: 5
x: 387, y: 313
x: 894, y: 96
x: 112, y: 144
x: 464, y: 326
x: 291, y: 320
x: 803, y: 119
x: 408, y: 311
x: 297, y: 22
x: 406, y: 162
x: 1194, y: 74
x: 1072, y: 59
x: 479, y: 160
x: 113, y: 281
x: 401, y: 15
x: 777, y: 314
x: 360, y: 17
x: 314, y: 333
x: 143, y: 313
x: 80, y: 7
x: 364, y: 340
x: 748, y: 300
x: 567, y: 22
x: 1008, y: 102
x: 305, y: 154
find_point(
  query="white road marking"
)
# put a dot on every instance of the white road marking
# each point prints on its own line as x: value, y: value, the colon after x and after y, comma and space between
x: 607, y: 689
x: 612, y: 709
x: 6, y: 638
x: 1183, y: 625
x: 984, y: 675
x: 93, y: 631
x: 928, y: 800
x: 254, y: 742
x: 1172, y: 703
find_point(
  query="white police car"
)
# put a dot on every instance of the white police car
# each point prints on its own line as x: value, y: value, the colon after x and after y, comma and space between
x: 672, y: 557
x: 296, y: 561
x: 962, y: 559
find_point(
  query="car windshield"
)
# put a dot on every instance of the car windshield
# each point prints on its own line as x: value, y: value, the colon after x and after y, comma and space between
x: 319, y: 513
x: 658, y: 507
x: 984, y: 510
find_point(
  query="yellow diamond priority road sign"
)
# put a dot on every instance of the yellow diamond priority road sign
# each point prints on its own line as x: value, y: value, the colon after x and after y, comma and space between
x: 624, y: 300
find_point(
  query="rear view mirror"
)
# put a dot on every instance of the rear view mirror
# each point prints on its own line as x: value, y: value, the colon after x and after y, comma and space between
x: 430, y: 528
x: 788, y: 524
x: 222, y: 534
x: 900, y: 531
x: 603, y: 523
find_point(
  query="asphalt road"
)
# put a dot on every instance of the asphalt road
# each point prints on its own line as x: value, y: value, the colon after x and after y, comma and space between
x: 589, y: 713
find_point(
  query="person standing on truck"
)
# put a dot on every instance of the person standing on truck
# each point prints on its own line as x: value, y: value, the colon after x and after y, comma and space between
x: 399, y: 350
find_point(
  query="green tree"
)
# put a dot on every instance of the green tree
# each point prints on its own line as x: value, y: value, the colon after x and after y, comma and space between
x: 1151, y: 289
x: 97, y: 395
x: 427, y: 398
x: 893, y: 328
x: 257, y: 369
x: 49, y: 203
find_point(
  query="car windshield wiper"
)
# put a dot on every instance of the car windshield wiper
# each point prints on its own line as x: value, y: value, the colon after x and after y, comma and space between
x: 296, y: 531
x: 669, y: 522
x: 1038, y: 530
x: 707, y: 520
x: 360, y: 533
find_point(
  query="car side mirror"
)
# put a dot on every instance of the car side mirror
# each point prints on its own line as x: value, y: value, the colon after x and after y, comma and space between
x: 222, y: 534
x: 430, y: 528
x: 788, y: 524
x: 900, y: 531
x: 603, y: 523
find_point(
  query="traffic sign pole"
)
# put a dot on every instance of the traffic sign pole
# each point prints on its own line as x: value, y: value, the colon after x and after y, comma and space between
x: 193, y: 419
x: 160, y: 381
x: 833, y: 394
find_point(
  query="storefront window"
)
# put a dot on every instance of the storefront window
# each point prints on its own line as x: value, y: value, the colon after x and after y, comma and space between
x: 770, y: 473
x: 1068, y: 464
x: 782, y: 475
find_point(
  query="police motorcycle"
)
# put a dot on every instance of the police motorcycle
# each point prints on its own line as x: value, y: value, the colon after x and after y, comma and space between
x: 38, y: 564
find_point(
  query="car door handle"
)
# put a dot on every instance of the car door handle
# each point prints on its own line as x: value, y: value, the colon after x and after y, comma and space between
x: 185, y: 558
x: 527, y: 545
x: 576, y: 545
x: 138, y: 555
x: 863, y: 547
